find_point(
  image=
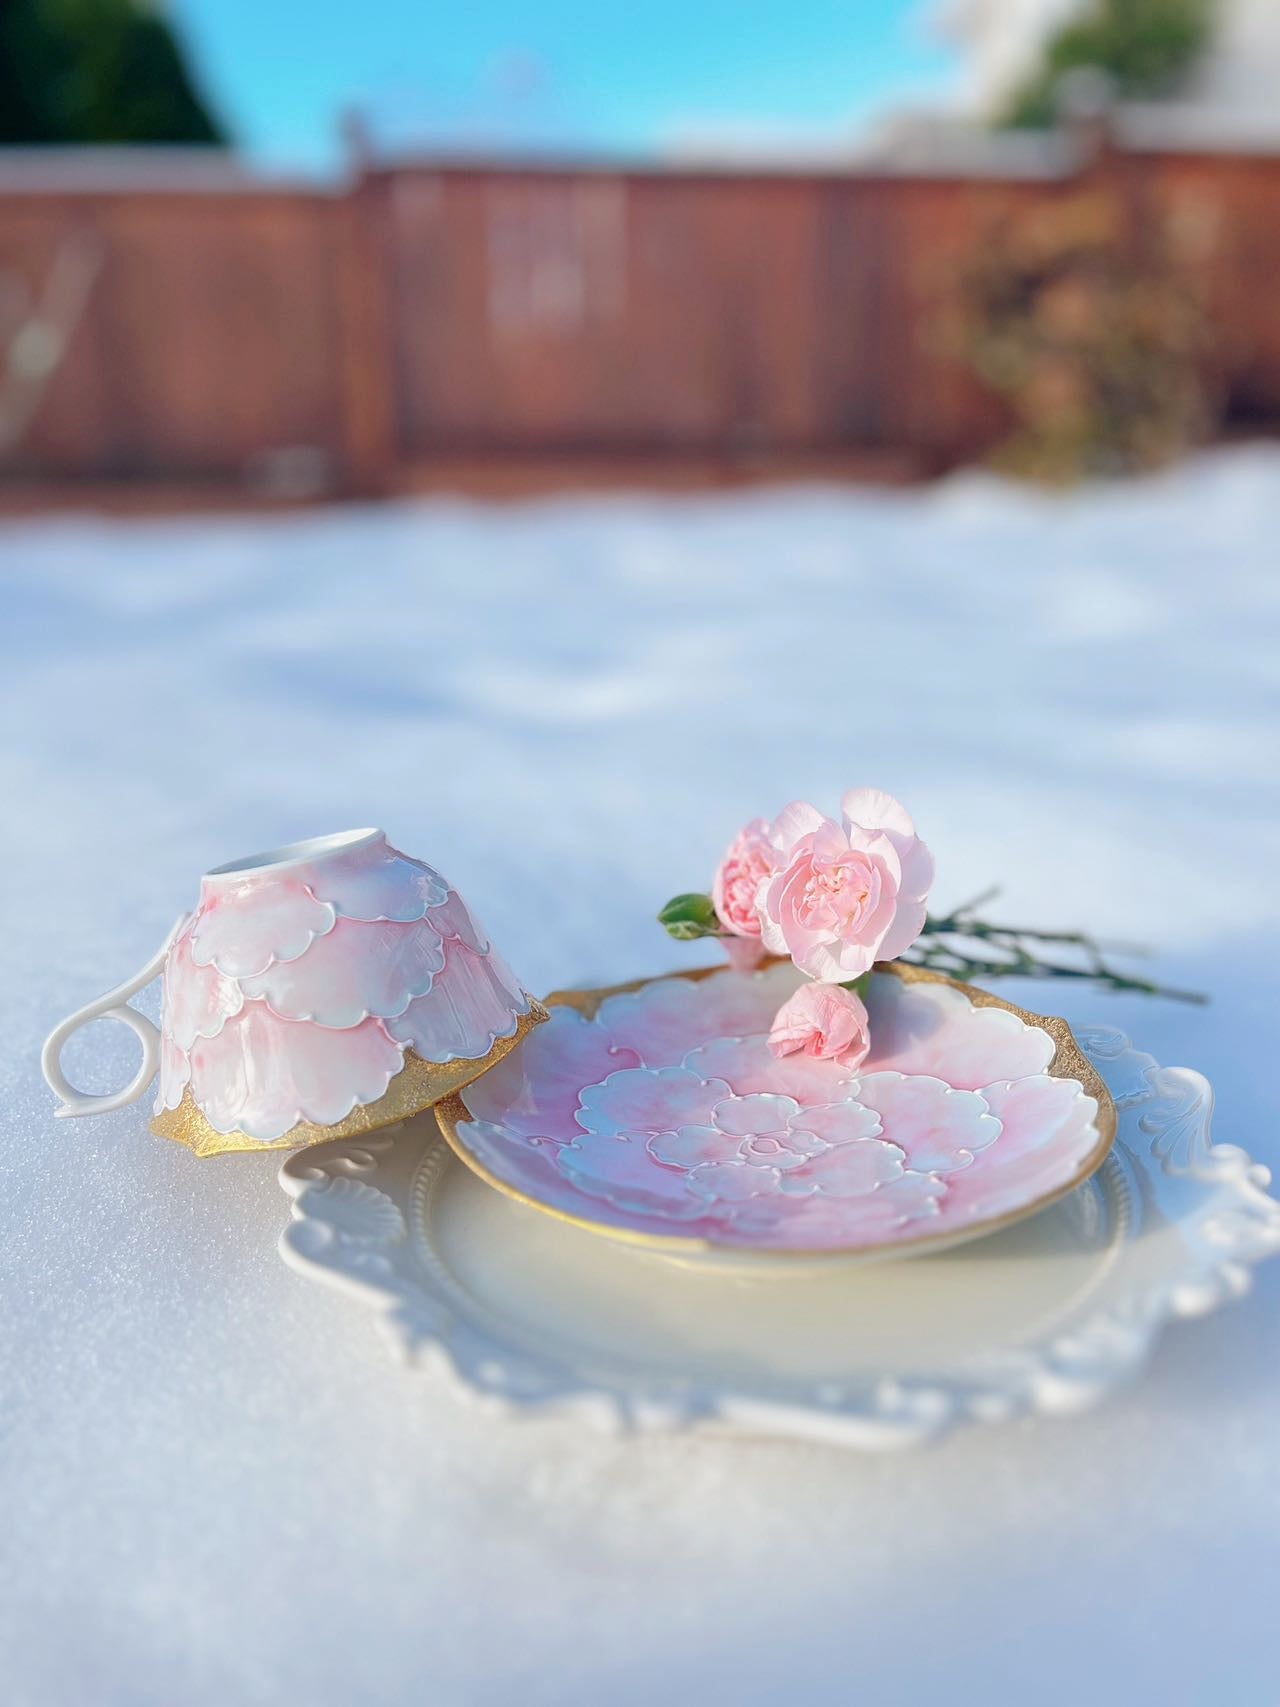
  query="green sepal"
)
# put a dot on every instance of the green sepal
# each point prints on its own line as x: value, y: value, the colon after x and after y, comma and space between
x: 688, y: 917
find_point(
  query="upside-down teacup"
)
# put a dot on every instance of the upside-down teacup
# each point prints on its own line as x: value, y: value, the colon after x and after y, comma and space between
x: 318, y: 990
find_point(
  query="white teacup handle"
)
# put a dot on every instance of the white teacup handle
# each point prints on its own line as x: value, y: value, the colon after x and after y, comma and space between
x: 114, y: 1005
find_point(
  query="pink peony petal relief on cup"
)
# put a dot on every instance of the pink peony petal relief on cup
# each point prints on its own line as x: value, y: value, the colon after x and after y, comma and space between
x: 319, y: 989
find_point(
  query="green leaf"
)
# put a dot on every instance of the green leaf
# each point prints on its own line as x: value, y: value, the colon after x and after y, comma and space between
x: 688, y: 917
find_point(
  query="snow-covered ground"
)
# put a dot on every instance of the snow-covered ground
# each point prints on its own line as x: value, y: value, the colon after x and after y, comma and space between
x: 569, y: 706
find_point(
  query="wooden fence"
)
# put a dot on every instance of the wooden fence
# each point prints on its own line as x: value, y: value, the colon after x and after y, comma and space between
x: 353, y: 341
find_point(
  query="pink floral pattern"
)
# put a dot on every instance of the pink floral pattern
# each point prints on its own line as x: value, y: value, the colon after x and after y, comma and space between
x: 668, y: 1113
x: 293, y: 991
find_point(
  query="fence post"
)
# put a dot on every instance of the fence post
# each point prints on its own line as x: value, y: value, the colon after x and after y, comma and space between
x: 367, y: 334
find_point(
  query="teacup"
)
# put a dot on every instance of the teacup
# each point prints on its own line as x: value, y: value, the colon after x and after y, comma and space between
x: 317, y: 991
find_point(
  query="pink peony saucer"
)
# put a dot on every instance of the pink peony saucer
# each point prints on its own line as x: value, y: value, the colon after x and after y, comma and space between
x: 656, y: 1113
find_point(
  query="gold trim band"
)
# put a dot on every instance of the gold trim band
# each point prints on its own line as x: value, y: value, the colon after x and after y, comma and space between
x: 416, y: 1086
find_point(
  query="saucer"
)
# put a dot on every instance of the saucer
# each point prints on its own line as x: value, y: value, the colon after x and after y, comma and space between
x: 531, y: 1316
x: 657, y: 1114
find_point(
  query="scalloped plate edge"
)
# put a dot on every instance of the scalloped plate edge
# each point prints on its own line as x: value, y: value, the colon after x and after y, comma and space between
x: 431, y: 1320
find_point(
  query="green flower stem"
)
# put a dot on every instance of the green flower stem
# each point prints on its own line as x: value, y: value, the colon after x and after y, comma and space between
x: 1006, y: 951
x: 1015, y: 954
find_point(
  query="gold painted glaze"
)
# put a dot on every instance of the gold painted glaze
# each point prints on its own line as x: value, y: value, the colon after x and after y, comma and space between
x: 415, y: 1087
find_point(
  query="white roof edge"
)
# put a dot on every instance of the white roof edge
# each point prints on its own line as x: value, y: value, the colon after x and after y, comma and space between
x: 144, y: 167
x: 1193, y: 127
x: 927, y: 146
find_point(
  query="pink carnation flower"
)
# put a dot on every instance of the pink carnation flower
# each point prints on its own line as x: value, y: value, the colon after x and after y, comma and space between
x: 844, y: 895
x: 824, y: 1021
x: 738, y: 890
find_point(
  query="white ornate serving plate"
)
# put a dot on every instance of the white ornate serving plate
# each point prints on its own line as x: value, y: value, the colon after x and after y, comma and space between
x: 532, y: 1315
x: 656, y: 1113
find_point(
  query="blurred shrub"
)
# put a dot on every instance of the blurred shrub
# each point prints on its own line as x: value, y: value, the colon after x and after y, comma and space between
x: 1144, y: 46
x: 95, y: 71
x: 1093, y: 327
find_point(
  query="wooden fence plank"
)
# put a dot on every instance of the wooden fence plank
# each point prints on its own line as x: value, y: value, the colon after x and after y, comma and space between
x: 436, y: 313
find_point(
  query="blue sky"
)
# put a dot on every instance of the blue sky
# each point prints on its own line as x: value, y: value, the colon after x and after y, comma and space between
x: 559, y: 73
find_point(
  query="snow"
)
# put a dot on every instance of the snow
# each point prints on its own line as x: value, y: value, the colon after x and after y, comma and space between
x: 216, y: 1485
